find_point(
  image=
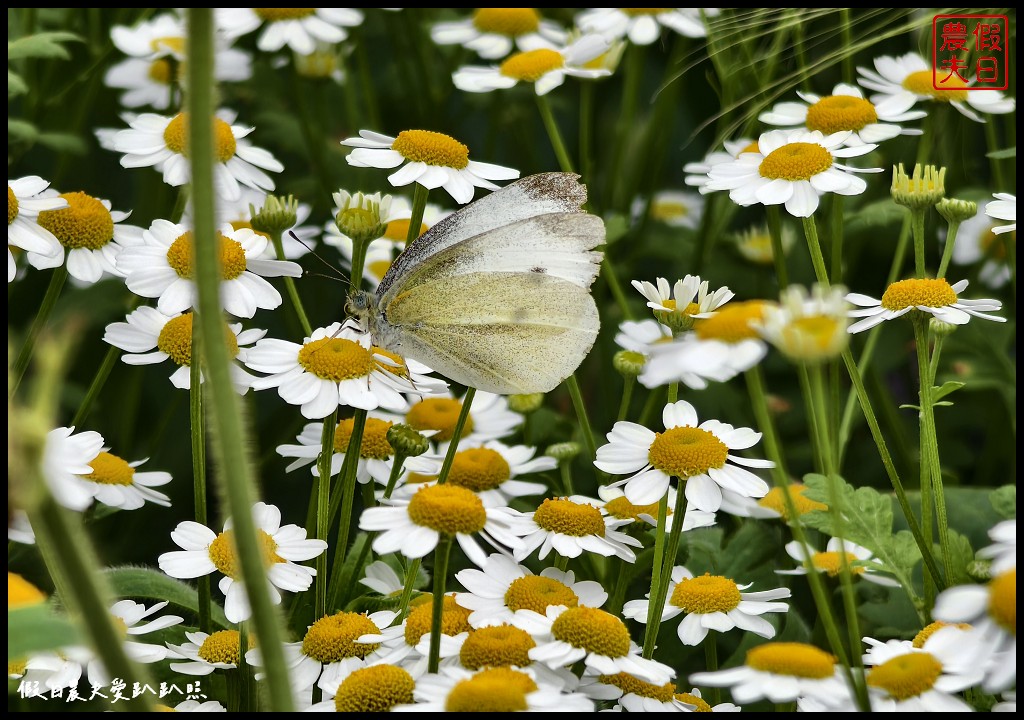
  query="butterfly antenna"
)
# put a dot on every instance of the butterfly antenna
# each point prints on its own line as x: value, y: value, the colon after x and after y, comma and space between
x: 335, y: 274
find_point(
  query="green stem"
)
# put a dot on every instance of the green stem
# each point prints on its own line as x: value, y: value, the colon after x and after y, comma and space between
x: 198, y: 433
x: 581, y: 414
x: 622, y: 578
x: 778, y: 253
x: 561, y: 562
x: 759, y: 402
x: 634, y: 62
x: 453, y: 445
x: 179, y: 204
x: 557, y: 144
x: 947, y: 250
x: 419, y: 205
x: 917, y: 230
x: 673, y: 392
x: 668, y: 563
x: 311, y: 136
x: 441, y: 554
x: 586, y: 132
x: 57, y: 279
x: 650, y: 632
x: 109, y: 361
x: 992, y: 141
x: 228, y: 427
x: 348, y: 493
x: 814, y: 246
x: 396, y: 472
x: 411, y: 573
x: 837, y: 240
x: 627, y: 395
x: 847, y: 51
x: 246, y: 681
x: 565, y: 470
x: 289, y: 284
x: 711, y: 665
x: 323, y: 506
x: 612, y: 278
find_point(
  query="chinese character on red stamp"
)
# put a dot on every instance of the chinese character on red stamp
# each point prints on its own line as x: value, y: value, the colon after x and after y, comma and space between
x: 970, y: 52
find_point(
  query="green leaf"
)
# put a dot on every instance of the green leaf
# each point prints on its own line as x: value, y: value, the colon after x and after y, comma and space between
x: 21, y: 131
x: 351, y: 571
x: 136, y: 582
x: 947, y: 388
x: 36, y: 628
x: 1004, y: 501
x: 15, y: 85
x: 41, y: 45
x: 63, y: 142
x: 961, y: 557
x: 1003, y: 154
x: 875, y: 215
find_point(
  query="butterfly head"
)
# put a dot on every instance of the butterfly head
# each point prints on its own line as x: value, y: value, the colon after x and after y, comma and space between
x: 359, y: 306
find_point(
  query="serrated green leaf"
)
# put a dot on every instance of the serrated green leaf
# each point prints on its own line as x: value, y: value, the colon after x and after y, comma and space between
x: 41, y: 45
x: 136, y: 582
x: 1003, y: 154
x: 36, y: 628
x: 15, y: 85
x: 948, y: 387
x: 905, y: 551
x: 19, y: 130
x: 1004, y: 501
x: 63, y: 142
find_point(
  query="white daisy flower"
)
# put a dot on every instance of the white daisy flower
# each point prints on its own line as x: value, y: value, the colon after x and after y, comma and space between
x: 496, y: 646
x: 329, y: 643
x: 643, y: 25
x: 712, y: 602
x: 128, y: 615
x: 635, y: 695
x: 697, y: 172
x: 1009, y: 703
x: 382, y: 579
x: 362, y: 686
x: 573, y: 525
x: 699, y: 455
x: 545, y: 67
x: 431, y: 159
x: 336, y: 366
x: 493, y: 690
x: 901, y: 679
x: 206, y: 652
x: 492, y: 33
x: 196, y: 706
x: 163, y: 267
x: 830, y: 561
x: 568, y: 635
x: 161, y: 142
x: 489, y: 417
x: 846, y: 109
x: 688, y: 296
x: 640, y: 336
x: 51, y: 672
x: 92, y: 234
x: 204, y: 551
x: 24, y: 203
x: 755, y: 243
x: 117, y: 484
x: 1003, y: 550
x: 411, y: 522
x: 408, y: 644
x: 910, y: 76
x: 794, y: 168
x: 1003, y: 208
x: 149, y: 337
x: 782, y: 672
x: 720, y: 347
x: 66, y: 458
x: 298, y: 28
x: 617, y: 505
x: 808, y: 328
x: 156, y: 50
x: 931, y: 295
x: 773, y: 505
x: 977, y: 241
x: 675, y: 208
x: 502, y: 587
x: 992, y: 611
x: 491, y: 469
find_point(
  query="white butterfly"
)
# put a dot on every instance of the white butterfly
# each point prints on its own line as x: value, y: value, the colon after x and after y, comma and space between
x: 497, y: 295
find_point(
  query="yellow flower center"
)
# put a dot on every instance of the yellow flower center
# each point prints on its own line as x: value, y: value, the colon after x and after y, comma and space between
x: 448, y: 509
x: 498, y: 646
x: 85, y: 223
x: 221, y: 647
x: 333, y: 638
x: 814, y: 337
x: 840, y: 112
x: 398, y: 230
x: 687, y: 451
x: 630, y: 685
x: 756, y: 245
x: 494, y: 690
x: 439, y: 414
x: 110, y: 470
x: 336, y: 359
x: 12, y: 205
x: 752, y: 147
x: 222, y: 553
x: 375, y: 438
x: 593, y: 630
x: 120, y: 625
x: 562, y: 515
x: 644, y: 11
x: 170, y: 43
x: 374, y: 689
x: 706, y: 594
x: 181, y: 256
x: 671, y: 304
x: 396, y: 366
x: 795, y: 161
x: 732, y: 323
x: 922, y: 637
x: 479, y: 469
x: 454, y: 619
x: 669, y: 210
x: 175, y: 339
x: 279, y: 14
x: 775, y: 500
x: 532, y: 65
x: 921, y: 83
x: 692, y: 699
x: 16, y: 668
x: 507, y: 21
x: 21, y: 592
x: 247, y: 225
x: 432, y: 148
x: 622, y: 508
x: 906, y: 676
x: 792, y: 658
x: 832, y: 563
x: 1002, y: 604
x: 929, y: 292
x: 162, y: 71
x: 176, y: 138
x: 537, y: 593
x: 379, y: 268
